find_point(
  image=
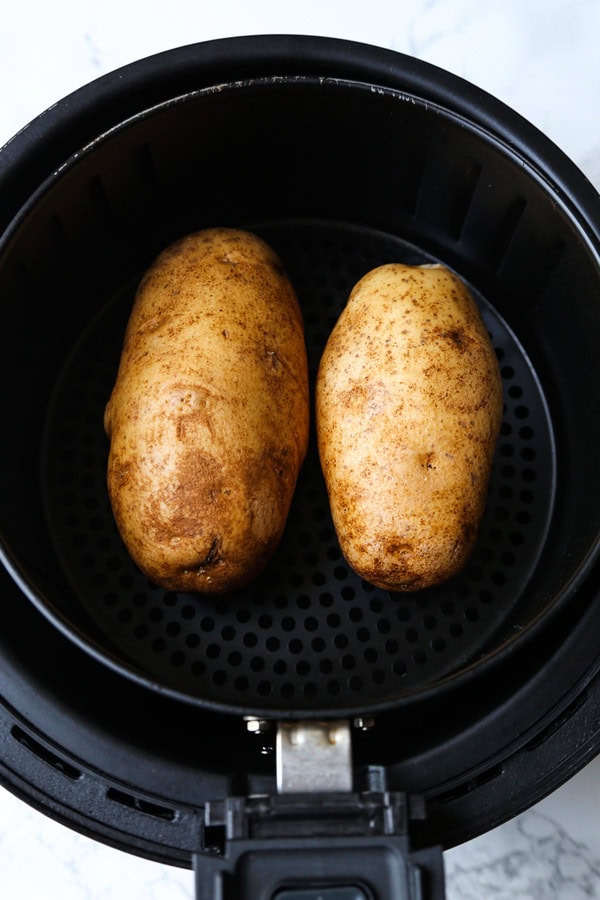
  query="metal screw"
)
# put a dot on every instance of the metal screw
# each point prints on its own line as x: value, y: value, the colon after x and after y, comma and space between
x: 257, y: 726
x: 364, y: 724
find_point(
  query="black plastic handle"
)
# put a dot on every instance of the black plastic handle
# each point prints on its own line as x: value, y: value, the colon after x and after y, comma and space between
x: 321, y: 871
x: 319, y: 847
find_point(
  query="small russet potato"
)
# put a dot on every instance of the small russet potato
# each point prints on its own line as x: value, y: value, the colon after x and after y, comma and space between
x: 408, y: 411
x: 208, y: 419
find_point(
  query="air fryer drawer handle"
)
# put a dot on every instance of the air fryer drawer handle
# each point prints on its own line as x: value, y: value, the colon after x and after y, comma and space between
x: 329, y: 846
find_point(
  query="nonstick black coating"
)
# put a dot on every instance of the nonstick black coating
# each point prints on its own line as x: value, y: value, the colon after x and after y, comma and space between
x: 309, y: 633
x: 339, y: 176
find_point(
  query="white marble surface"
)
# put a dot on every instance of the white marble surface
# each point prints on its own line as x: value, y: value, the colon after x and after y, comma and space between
x: 540, y: 57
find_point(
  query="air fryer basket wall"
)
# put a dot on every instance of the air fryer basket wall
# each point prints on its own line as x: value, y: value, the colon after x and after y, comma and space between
x: 342, y: 157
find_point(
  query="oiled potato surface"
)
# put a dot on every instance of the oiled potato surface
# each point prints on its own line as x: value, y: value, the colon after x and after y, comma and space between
x: 408, y: 406
x: 208, y: 418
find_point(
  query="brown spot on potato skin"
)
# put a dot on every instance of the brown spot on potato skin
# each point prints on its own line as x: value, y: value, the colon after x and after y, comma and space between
x: 407, y: 475
x: 209, y: 413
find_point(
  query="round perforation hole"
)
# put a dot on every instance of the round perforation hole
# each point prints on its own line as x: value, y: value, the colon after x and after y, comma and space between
x: 309, y: 633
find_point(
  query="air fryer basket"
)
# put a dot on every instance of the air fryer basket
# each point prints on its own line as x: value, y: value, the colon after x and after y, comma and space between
x: 342, y: 157
x: 309, y: 634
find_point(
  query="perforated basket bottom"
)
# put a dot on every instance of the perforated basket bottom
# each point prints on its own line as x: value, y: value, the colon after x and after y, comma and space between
x: 309, y: 633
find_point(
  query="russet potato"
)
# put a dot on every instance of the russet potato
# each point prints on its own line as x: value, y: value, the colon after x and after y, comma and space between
x: 208, y: 419
x: 408, y: 407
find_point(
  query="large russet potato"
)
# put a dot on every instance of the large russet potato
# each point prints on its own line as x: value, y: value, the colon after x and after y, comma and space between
x: 208, y: 419
x: 409, y: 407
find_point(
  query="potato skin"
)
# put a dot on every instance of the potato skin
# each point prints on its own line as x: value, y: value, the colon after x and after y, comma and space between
x: 408, y: 411
x: 208, y: 419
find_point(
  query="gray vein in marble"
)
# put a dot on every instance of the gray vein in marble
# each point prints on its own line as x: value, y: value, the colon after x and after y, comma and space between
x: 94, y: 53
x: 533, y: 858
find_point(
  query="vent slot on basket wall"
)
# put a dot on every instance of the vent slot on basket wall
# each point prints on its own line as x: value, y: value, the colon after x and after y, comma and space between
x: 43, y: 753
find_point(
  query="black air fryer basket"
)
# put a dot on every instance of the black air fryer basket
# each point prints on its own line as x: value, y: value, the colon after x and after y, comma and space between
x: 204, y: 731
